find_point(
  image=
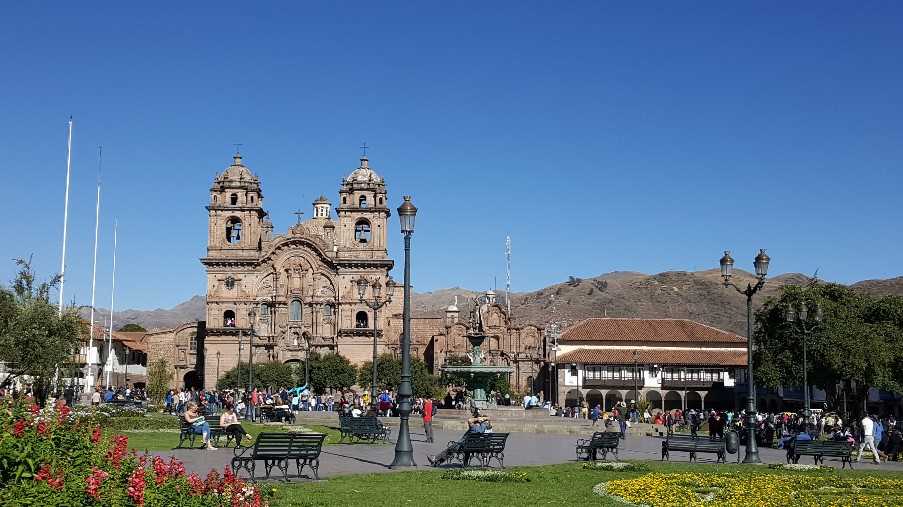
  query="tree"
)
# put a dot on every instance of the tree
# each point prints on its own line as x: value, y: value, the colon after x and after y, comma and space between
x: 331, y: 371
x: 130, y: 328
x: 388, y: 375
x: 159, y: 376
x: 273, y: 374
x: 35, y: 340
x: 858, y: 342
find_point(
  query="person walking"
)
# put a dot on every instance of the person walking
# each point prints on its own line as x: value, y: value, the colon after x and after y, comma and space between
x: 595, y: 414
x: 428, y: 420
x: 868, y: 439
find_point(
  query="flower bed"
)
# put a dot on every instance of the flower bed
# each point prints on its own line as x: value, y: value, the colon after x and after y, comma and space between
x: 778, y: 490
x: 616, y: 466
x: 798, y: 467
x: 485, y: 476
x: 52, y: 458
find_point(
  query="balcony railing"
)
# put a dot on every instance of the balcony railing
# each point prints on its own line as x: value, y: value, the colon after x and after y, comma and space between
x: 612, y: 383
x: 690, y: 383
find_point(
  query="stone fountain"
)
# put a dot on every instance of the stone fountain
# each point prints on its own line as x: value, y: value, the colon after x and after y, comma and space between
x: 479, y: 373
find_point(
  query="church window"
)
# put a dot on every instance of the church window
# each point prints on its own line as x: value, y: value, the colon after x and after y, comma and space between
x: 380, y: 201
x: 264, y: 312
x: 252, y: 198
x: 228, y: 319
x: 193, y: 343
x: 214, y: 199
x: 296, y: 310
x: 344, y: 199
x: 233, y: 199
x: 328, y: 311
x: 360, y: 320
x: 230, y: 282
x: 233, y: 230
x: 362, y: 201
x: 362, y: 231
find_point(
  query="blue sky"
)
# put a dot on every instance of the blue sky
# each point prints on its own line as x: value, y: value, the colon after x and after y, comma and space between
x: 601, y: 137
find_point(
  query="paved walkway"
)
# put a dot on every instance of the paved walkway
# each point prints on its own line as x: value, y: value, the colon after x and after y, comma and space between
x: 521, y: 449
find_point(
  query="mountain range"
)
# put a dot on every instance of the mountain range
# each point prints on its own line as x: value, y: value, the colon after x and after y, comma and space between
x: 698, y: 296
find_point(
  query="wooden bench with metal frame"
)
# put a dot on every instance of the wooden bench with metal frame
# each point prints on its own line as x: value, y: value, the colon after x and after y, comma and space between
x: 605, y: 441
x: 277, y: 450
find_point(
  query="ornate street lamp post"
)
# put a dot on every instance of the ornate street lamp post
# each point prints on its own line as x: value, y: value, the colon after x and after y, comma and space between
x: 727, y: 270
x: 404, y: 452
x: 801, y: 316
x: 374, y: 304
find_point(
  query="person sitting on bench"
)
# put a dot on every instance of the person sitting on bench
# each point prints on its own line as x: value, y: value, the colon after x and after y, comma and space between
x: 476, y: 424
x: 198, y: 424
x: 229, y: 421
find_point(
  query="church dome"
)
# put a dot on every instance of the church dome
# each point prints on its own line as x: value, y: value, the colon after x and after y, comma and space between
x: 237, y: 172
x: 364, y: 174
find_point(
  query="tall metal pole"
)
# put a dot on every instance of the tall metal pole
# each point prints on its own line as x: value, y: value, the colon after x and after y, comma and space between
x: 805, y: 375
x: 65, y: 215
x: 112, y: 300
x: 752, y: 447
x: 89, y: 377
x: 307, y: 364
x: 404, y: 451
x: 373, y: 392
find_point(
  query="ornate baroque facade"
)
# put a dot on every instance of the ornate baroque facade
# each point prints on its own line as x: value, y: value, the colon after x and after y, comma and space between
x: 276, y: 296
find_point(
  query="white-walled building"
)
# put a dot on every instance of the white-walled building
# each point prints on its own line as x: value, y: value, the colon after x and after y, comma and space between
x: 678, y: 363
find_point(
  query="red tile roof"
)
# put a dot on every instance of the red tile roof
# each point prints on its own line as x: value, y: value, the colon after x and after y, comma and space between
x: 656, y: 356
x: 648, y: 330
x: 134, y: 340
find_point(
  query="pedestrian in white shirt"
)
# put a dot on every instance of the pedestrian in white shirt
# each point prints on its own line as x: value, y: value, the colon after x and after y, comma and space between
x: 868, y: 439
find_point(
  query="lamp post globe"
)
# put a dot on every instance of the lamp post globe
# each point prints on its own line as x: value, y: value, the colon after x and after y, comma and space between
x: 727, y: 266
x: 404, y: 451
x: 761, y: 263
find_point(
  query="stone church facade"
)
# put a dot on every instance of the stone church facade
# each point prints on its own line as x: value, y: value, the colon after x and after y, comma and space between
x: 279, y: 296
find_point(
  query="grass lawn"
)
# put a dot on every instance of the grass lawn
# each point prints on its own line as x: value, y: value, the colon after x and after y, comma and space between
x: 566, y: 484
x: 165, y: 440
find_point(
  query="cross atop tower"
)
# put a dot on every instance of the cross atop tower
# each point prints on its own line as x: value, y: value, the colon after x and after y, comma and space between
x: 364, y: 149
x: 298, y: 213
x: 237, y: 147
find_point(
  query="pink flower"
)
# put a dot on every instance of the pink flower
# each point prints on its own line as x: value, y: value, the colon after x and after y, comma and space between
x: 42, y: 428
x: 95, y: 435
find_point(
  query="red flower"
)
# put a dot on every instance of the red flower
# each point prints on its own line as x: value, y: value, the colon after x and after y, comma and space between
x: 95, y: 435
x: 64, y: 412
x: 176, y: 467
x: 136, y: 486
x: 43, y: 473
x: 42, y: 428
x: 19, y: 428
x: 35, y: 409
x: 120, y: 446
x: 94, y: 481
x: 55, y: 481
x: 197, y: 485
x: 213, y: 482
x: 160, y: 470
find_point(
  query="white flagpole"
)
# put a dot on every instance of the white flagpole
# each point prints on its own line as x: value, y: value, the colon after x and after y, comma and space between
x: 112, y: 299
x: 89, y: 378
x: 65, y: 216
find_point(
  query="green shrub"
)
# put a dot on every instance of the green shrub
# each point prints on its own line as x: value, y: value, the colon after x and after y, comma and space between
x: 485, y: 476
